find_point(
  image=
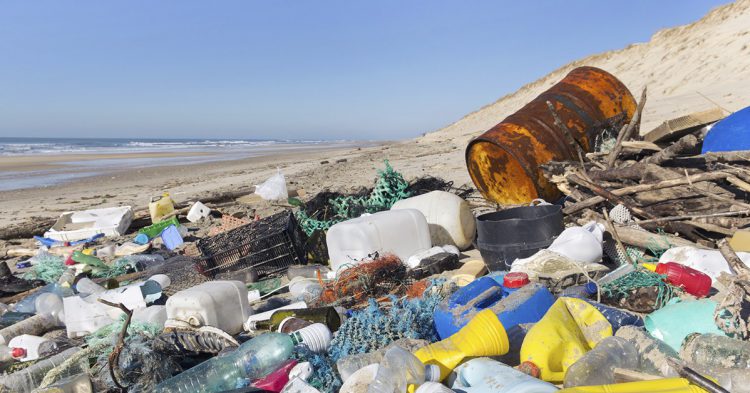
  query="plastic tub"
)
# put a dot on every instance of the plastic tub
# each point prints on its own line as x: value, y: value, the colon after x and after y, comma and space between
x: 72, y: 226
x: 504, y: 236
x: 448, y: 216
x: 401, y: 232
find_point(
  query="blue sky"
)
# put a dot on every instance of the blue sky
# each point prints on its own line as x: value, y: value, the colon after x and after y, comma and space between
x: 291, y: 69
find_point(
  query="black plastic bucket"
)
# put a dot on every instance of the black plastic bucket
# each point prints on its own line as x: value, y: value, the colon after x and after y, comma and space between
x: 520, y: 232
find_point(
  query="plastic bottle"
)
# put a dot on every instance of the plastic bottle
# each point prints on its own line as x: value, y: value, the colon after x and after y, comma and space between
x: 709, y: 262
x: 693, y: 281
x: 252, y: 360
x: 735, y: 380
x: 712, y: 350
x: 88, y: 286
x: 6, y: 353
x: 27, y: 304
x: 348, y: 365
x: 398, y: 369
x: 484, y: 335
x: 26, y: 347
x: 36, y: 325
x: 399, y: 232
x: 26, y: 380
x: 672, y: 385
x: 582, y: 291
x: 12, y: 317
x: 484, y: 375
x: 597, y: 366
x: 52, y: 304
x: 653, y: 353
x: 326, y: 315
x: 581, y: 244
x: 448, y: 215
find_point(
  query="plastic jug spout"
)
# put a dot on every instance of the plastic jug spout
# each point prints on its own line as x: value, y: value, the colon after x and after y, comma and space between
x: 484, y: 335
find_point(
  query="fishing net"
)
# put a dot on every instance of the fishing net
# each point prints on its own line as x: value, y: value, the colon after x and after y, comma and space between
x: 378, y: 278
x: 640, y: 291
x: 426, y: 184
x: 46, y: 267
x: 390, y: 187
x: 373, y: 328
x: 733, y: 312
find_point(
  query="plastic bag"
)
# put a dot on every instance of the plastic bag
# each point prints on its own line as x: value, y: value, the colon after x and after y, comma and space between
x: 274, y: 188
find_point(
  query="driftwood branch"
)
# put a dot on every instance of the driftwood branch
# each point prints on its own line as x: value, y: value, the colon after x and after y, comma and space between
x: 114, y: 357
x: 735, y: 263
x: 627, y: 132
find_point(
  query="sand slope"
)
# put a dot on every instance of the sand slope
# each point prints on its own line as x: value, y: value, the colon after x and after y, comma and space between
x: 710, y: 56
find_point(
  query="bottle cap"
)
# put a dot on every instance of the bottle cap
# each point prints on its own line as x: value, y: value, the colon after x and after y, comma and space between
x: 432, y: 373
x: 317, y: 337
x: 652, y: 267
x: 515, y: 280
x: 529, y: 368
x: 591, y: 288
x: 70, y: 261
x: 17, y: 353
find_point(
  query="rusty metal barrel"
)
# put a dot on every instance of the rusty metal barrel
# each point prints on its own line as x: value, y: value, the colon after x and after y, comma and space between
x: 504, y: 161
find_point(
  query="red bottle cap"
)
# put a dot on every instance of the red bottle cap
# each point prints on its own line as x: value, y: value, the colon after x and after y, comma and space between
x: 70, y: 261
x: 515, y: 280
x: 530, y: 368
x: 18, y: 353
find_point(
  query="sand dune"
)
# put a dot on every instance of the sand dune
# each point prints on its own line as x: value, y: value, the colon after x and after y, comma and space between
x: 680, y: 66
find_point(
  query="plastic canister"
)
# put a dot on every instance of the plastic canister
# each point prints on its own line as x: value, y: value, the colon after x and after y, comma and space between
x: 448, y: 215
x: 484, y: 335
x: 581, y: 244
x: 668, y: 385
x: 402, y: 232
x: 570, y: 328
x: 171, y: 237
x: 693, y: 281
x: 678, y: 319
x: 160, y: 206
x: 484, y: 375
x: 522, y: 306
x: 221, y: 304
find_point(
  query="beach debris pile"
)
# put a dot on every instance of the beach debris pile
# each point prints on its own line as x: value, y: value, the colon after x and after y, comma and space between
x: 610, y: 262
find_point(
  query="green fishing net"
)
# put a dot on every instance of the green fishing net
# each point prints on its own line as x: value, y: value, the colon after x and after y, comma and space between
x: 624, y: 286
x: 390, y: 188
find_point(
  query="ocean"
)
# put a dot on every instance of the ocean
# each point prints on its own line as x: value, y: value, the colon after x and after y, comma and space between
x: 42, y: 162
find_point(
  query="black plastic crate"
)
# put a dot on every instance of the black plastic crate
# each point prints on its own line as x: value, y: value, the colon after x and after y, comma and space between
x: 269, y: 246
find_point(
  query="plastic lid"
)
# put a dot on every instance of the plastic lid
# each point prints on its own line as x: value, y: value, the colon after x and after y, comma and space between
x: 515, y: 280
x: 317, y: 337
x: 432, y: 373
x: 70, y: 261
x: 18, y: 353
x: 652, y: 267
x: 529, y: 368
x: 591, y: 288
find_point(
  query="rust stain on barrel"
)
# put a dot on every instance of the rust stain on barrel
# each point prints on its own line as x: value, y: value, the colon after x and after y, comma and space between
x: 504, y: 161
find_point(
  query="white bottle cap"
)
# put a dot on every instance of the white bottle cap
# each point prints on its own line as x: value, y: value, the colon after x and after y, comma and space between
x: 317, y: 337
x: 163, y: 280
x: 432, y: 373
x: 302, y: 371
x: 433, y: 387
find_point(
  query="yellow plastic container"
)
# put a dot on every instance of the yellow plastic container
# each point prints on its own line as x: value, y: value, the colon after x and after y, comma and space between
x: 569, y: 329
x: 669, y: 385
x: 484, y: 335
x: 160, y: 207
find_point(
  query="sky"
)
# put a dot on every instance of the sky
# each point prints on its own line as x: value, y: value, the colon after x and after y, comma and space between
x: 292, y: 69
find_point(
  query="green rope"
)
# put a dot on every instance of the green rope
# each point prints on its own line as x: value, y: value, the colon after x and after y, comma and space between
x: 390, y: 188
x: 640, y: 278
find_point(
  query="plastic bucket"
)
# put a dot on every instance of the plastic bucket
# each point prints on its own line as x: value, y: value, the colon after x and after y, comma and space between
x: 504, y: 236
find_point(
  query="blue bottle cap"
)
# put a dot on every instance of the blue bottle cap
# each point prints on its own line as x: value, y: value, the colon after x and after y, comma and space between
x: 141, y: 239
x: 591, y: 288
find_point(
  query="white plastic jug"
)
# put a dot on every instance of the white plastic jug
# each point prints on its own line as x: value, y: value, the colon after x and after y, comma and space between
x: 155, y: 315
x: 486, y: 375
x: 221, y: 304
x: 87, y: 315
x: 581, y: 244
x: 710, y: 262
x: 402, y: 232
x: 26, y: 347
x: 449, y: 217
x: 198, y: 211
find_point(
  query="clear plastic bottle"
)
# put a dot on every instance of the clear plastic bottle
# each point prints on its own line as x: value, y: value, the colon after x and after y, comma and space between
x: 28, y: 379
x: 712, y: 350
x: 399, y: 369
x: 346, y: 366
x: 27, y: 304
x: 253, y: 359
x: 597, y: 366
x: 5, y: 353
x: 652, y: 352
